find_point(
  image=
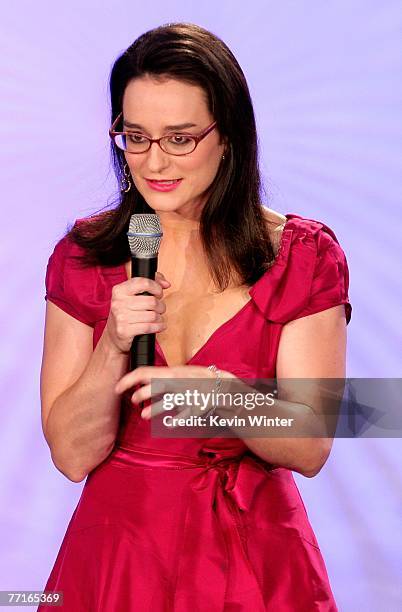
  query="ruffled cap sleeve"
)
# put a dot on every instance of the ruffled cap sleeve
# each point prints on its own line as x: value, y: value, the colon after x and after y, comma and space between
x: 68, y: 284
x: 309, y: 275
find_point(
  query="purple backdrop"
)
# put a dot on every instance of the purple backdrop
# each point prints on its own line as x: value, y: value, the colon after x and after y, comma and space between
x: 323, y: 77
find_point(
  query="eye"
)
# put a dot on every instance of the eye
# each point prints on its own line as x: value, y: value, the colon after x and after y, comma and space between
x: 179, y: 139
x: 137, y: 138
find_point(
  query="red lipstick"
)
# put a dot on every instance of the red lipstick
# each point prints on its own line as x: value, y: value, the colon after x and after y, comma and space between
x: 163, y: 185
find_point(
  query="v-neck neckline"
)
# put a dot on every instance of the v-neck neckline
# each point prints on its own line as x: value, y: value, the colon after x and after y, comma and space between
x: 285, y: 231
x: 208, y: 340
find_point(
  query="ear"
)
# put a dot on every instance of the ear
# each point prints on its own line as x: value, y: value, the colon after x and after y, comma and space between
x: 228, y: 147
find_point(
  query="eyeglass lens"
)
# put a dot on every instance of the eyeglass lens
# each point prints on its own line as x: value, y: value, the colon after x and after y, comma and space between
x: 177, y: 144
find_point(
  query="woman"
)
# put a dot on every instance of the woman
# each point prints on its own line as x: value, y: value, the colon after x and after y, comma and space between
x: 173, y: 524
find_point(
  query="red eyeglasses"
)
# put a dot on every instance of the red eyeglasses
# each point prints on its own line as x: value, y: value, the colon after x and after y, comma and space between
x: 173, y: 144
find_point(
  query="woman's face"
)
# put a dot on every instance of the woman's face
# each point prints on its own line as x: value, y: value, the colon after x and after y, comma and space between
x: 154, y: 105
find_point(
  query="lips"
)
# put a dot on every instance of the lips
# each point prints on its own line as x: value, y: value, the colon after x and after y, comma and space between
x: 163, y: 185
x: 163, y: 181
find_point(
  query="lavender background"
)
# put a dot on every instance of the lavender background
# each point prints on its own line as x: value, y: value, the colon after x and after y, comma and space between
x: 326, y: 83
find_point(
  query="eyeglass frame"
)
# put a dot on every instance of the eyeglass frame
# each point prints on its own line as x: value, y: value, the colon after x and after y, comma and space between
x: 197, y: 138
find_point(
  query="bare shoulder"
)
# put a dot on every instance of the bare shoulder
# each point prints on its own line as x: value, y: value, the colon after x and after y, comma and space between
x: 275, y: 224
x: 275, y: 220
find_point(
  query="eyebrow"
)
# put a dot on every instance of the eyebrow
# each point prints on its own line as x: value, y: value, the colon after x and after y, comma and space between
x: 181, y: 126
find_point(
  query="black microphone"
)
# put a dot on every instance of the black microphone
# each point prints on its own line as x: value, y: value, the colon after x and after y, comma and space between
x: 144, y: 237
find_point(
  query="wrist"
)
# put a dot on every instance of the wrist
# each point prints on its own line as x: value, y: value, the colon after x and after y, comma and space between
x: 220, y: 376
x: 109, y: 348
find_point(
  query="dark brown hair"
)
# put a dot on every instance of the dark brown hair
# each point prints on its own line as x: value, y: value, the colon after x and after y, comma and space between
x: 233, y: 226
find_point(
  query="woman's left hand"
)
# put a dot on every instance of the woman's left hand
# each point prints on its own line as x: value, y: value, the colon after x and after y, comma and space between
x: 144, y: 374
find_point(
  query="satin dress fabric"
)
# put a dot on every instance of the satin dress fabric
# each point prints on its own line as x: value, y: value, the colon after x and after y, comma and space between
x: 199, y: 524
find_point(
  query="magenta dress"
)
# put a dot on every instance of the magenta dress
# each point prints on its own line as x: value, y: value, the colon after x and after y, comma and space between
x: 199, y: 524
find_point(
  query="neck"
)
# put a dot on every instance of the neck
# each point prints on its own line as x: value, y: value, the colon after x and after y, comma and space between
x: 174, y: 221
x: 179, y: 232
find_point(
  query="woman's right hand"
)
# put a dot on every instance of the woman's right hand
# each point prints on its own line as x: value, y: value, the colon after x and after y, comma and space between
x: 132, y: 314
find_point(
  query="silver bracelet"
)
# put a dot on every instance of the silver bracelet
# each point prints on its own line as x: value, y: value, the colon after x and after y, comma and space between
x: 218, y: 384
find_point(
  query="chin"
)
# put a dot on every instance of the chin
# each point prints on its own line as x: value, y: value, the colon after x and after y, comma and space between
x: 166, y: 204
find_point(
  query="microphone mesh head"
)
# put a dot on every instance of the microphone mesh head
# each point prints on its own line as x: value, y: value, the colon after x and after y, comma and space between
x: 144, y: 235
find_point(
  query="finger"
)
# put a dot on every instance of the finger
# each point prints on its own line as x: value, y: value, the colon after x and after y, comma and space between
x: 160, y: 277
x: 142, y: 394
x: 154, y: 410
x: 146, y: 302
x: 141, y: 375
x: 138, y: 285
x: 186, y: 412
x: 147, y: 392
x: 144, y: 316
x: 158, y: 408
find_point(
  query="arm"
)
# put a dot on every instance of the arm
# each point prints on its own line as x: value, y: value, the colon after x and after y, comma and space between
x: 313, y: 346
x: 80, y: 411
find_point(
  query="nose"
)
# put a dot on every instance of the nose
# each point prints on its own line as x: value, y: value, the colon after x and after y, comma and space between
x: 156, y: 158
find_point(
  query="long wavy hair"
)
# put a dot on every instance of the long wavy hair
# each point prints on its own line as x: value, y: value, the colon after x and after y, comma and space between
x: 233, y: 227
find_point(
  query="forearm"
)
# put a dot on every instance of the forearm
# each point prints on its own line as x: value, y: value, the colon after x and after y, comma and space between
x: 301, y: 454
x: 289, y: 434
x: 82, y: 425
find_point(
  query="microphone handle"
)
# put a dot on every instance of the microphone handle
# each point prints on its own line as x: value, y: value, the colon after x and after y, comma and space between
x: 142, y: 352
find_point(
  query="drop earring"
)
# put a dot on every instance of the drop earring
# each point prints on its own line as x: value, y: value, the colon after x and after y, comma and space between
x: 125, y: 184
